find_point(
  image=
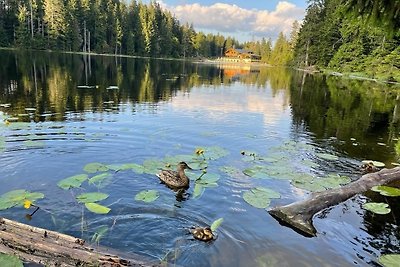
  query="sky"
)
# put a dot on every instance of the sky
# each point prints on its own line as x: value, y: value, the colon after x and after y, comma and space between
x: 246, y: 20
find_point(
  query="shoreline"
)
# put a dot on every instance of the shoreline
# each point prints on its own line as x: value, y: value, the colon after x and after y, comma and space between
x: 219, y: 62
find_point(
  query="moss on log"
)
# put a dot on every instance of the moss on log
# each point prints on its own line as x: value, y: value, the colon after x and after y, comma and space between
x: 49, y: 248
x: 299, y: 215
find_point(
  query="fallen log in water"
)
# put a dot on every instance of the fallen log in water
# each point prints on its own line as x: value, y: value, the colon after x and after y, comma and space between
x: 49, y: 248
x: 299, y: 215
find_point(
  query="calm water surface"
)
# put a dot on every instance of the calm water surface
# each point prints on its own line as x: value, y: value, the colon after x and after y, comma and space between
x: 170, y: 108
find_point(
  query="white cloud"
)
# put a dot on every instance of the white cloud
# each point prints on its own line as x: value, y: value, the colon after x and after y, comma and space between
x: 232, y: 19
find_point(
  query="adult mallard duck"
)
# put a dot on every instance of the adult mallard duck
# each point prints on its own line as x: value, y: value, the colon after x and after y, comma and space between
x: 176, y: 179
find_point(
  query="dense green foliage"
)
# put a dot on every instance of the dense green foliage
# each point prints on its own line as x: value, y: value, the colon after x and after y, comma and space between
x: 103, y: 26
x: 351, y: 36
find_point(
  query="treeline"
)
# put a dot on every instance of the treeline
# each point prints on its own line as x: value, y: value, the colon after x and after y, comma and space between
x: 104, y: 26
x: 351, y: 36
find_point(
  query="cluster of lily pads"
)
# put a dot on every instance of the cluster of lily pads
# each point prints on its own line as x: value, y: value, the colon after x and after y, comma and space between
x: 379, y: 207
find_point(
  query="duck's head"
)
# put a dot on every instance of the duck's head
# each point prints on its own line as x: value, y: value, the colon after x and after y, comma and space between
x: 182, y: 166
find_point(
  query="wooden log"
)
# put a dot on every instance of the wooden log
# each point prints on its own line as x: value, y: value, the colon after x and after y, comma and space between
x: 37, y: 245
x: 299, y: 215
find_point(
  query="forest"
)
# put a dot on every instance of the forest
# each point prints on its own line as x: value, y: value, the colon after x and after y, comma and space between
x: 351, y: 36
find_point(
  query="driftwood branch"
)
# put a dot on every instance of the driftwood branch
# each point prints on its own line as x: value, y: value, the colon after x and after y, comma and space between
x: 299, y: 215
x: 37, y: 245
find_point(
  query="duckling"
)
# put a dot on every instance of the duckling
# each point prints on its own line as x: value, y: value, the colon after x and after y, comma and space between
x: 369, y: 167
x: 203, y: 234
x: 175, y: 179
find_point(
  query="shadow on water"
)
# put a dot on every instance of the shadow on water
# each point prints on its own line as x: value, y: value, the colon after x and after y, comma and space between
x: 65, y: 111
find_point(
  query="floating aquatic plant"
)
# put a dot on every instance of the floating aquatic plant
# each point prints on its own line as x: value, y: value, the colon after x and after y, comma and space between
x: 386, y: 190
x: 10, y: 260
x: 260, y: 197
x: 378, y: 208
x: 73, y: 181
x: 95, y: 167
x: 97, y: 208
x: 389, y: 260
x: 216, y: 224
x: 147, y: 196
x: 18, y: 197
x: 101, y: 180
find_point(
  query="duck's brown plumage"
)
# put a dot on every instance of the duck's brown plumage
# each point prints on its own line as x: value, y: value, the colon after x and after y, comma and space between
x: 175, y: 179
x: 203, y: 234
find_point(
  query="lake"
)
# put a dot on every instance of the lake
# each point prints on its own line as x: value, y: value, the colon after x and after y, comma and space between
x: 251, y: 127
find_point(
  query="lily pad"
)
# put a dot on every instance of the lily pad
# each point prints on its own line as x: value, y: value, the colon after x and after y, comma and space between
x: 308, y: 185
x: 18, y: 197
x: 208, y: 178
x: 147, y: 196
x: 91, y: 197
x: 327, y: 156
x: 389, y: 260
x: 231, y: 171
x: 10, y: 260
x: 216, y: 224
x: 198, y: 190
x: 95, y: 167
x: 73, y: 181
x: 387, y: 190
x: 333, y: 181
x: 215, y: 152
x: 100, y: 180
x: 260, y: 197
x: 378, y: 208
x: 97, y: 208
x: 127, y: 166
x: 153, y: 166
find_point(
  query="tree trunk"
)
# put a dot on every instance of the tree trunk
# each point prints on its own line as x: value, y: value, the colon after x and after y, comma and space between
x: 299, y: 215
x: 50, y: 248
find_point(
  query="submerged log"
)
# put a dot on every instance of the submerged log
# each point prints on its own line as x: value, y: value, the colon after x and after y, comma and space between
x: 299, y: 215
x: 49, y: 248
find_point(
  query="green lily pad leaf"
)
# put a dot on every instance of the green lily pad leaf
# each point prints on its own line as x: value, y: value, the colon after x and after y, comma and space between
x: 10, y: 260
x: 91, y: 197
x: 215, y: 152
x: 308, y: 185
x: 95, y: 167
x: 389, y: 260
x: 128, y: 166
x: 332, y: 181
x: 267, y: 192
x: 256, y: 198
x: 387, y: 190
x: 208, y: 178
x: 17, y: 197
x: 256, y: 172
x: 216, y: 224
x: 73, y: 181
x: 198, y: 190
x: 97, y: 208
x: 147, y: 195
x: 7, y: 204
x: 377, y: 164
x: 378, y: 208
x: 100, y: 180
x: 231, y: 171
x: 327, y: 156
x: 153, y: 166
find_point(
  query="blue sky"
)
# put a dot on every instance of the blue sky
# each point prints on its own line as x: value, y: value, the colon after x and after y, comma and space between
x: 244, y: 20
